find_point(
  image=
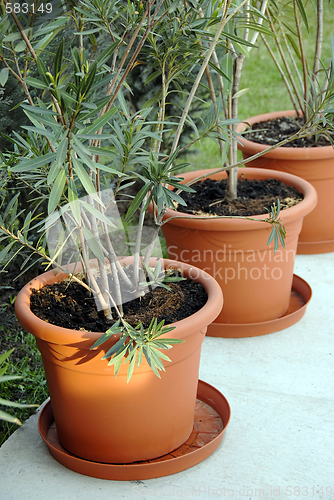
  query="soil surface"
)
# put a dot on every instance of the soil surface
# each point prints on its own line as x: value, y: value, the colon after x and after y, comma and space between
x: 272, y: 132
x: 255, y: 197
x: 68, y: 305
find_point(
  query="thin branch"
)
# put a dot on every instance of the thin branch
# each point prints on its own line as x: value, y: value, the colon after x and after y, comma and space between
x: 281, y: 72
x: 319, y: 39
x: 41, y: 254
x: 220, y: 80
x: 285, y: 62
x: 302, y: 55
x: 292, y: 58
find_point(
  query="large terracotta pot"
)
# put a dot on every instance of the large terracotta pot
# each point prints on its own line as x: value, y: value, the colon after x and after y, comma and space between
x: 316, y: 165
x: 105, y: 419
x: 256, y: 282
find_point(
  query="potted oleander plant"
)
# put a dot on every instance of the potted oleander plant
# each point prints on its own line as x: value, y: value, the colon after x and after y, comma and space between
x: 256, y: 282
x: 309, y: 84
x: 81, y: 152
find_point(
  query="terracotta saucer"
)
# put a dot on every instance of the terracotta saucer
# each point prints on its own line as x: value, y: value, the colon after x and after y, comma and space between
x: 300, y: 296
x: 212, y: 415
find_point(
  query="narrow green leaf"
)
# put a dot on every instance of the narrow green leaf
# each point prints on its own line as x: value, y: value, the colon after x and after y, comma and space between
x: 97, y: 106
x: 42, y: 70
x: 94, y: 211
x: 106, y: 55
x: 50, y: 26
x: 294, y: 45
x: 10, y: 206
x: 93, y: 244
x: 219, y: 71
x: 12, y: 37
x: 122, y: 102
x: 20, y: 47
x: 4, y: 76
x: 16, y: 405
x: 61, y: 152
x: 152, y: 77
x: 100, y: 151
x: 40, y: 131
x: 53, y: 172
x: 114, y: 330
x: 5, y: 355
x: 171, y: 195
x: 57, y: 191
x: 37, y: 84
x: 140, y: 356
x: 149, y: 271
x: 39, y: 111
x: 117, y: 347
x: 90, y: 78
x: 84, y: 178
x: 131, y: 365
x: 271, y: 236
x: 9, y: 418
x: 240, y: 93
x: 74, y: 201
x: 238, y: 40
x: 58, y: 60
x: 93, y: 137
x: 44, y: 42
x: 4, y: 252
x: 303, y: 13
x: 100, y: 122
x: 28, y: 165
x: 87, y: 32
x: 138, y: 200
x: 8, y: 378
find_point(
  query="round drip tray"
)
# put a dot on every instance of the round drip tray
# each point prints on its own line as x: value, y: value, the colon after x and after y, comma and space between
x: 301, y: 294
x: 212, y: 415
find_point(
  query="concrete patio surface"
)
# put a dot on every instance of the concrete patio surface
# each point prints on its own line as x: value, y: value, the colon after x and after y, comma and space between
x: 279, y: 443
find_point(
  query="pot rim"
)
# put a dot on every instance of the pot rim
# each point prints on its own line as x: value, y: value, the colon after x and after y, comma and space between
x: 63, y: 336
x: 215, y: 224
x: 282, y: 152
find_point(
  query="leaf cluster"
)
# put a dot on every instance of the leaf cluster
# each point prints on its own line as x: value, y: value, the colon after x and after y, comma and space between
x: 134, y: 343
x: 5, y: 378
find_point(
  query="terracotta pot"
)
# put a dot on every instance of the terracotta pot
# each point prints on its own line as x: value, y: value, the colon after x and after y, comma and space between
x: 105, y: 419
x: 256, y: 282
x: 316, y: 165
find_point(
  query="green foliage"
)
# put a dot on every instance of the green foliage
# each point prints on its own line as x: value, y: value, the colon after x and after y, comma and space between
x: 157, y: 277
x: 136, y: 342
x: 4, y: 402
x: 278, y: 232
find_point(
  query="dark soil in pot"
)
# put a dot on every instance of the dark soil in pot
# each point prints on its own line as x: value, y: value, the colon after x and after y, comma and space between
x: 272, y: 132
x: 255, y: 197
x: 67, y: 305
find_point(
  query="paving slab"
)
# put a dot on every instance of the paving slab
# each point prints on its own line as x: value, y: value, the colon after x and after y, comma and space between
x: 279, y: 443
